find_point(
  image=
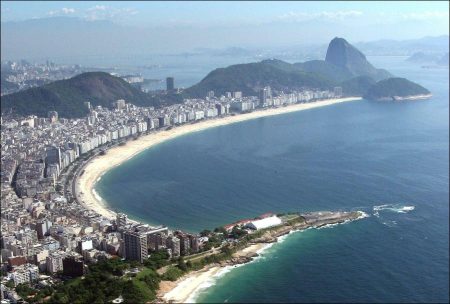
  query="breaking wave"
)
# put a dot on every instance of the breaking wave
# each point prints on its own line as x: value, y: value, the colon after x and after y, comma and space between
x: 213, y: 280
x: 392, y: 208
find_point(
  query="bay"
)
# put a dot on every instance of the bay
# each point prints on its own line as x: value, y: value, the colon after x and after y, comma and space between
x: 387, y: 159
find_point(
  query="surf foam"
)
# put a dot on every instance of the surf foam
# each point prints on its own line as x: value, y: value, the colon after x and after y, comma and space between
x: 392, y: 208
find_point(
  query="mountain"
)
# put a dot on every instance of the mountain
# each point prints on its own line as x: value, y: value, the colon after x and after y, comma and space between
x: 343, y: 62
x: 67, y: 97
x: 357, y: 86
x: 251, y: 77
x: 325, y: 69
x: 394, y: 87
x: 421, y: 57
x: 344, y: 55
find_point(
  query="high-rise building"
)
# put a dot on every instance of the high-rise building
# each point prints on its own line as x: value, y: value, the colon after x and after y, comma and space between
x: 157, y: 241
x: 53, y: 115
x: 185, y: 244
x: 121, y: 220
x: 237, y: 94
x: 87, y: 104
x: 220, y: 109
x: 265, y: 96
x: 25, y: 274
x: 53, y: 155
x: 43, y: 228
x: 194, y: 243
x: 54, y: 262
x: 210, y: 94
x: 135, y: 246
x: 170, y: 84
x: 174, y: 244
x: 84, y: 244
x: 73, y: 267
x: 337, y: 91
x: 120, y: 104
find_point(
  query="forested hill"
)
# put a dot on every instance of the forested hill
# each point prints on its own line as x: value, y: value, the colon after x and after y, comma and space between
x: 342, y: 63
x: 394, y: 87
x: 67, y: 96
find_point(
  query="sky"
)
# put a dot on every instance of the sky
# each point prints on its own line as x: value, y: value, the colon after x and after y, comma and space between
x: 226, y: 13
x: 182, y: 25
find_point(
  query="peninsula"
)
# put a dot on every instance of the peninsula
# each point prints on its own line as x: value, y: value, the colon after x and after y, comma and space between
x: 245, y: 249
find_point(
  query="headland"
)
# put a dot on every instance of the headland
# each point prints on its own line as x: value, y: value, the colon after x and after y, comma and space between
x: 186, y: 288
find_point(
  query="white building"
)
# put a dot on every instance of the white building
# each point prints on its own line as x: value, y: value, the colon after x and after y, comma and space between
x: 25, y: 274
x: 199, y: 115
x: 264, y: 223
x: 55, y: 262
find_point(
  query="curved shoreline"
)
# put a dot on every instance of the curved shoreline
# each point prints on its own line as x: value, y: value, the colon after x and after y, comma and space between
x: 99, y: 165
x: 188, y: 288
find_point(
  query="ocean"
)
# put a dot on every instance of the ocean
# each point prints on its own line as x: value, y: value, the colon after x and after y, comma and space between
x: 390, y: 160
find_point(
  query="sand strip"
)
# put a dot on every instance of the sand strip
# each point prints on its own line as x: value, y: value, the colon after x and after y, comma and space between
x: 115, y: 156
x: 185, y: 289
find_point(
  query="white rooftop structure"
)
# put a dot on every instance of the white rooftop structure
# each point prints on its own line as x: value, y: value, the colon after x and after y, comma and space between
x: 264, y: 223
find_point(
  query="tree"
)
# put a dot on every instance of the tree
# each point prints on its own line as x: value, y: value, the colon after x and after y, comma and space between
x: 226, y: 250
x: 181, y: 264
x: 205, y: 232
x: 237, y: 232
x: 220, y: 230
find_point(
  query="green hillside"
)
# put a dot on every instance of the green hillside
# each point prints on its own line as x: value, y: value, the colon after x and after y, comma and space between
x: 325, y: 69
x: 251, y: 77
x: 67, y: 97
x: 357, y: 86
x: 391, y: 87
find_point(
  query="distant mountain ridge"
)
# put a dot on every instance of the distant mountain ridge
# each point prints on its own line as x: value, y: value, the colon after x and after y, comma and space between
x: 343, y: 66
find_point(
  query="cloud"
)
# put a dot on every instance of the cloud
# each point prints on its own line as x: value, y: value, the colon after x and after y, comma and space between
x: 63, y: 11
x: 103, y: 12
x: 66, y: 10
x: 324, y: 15
x: 426, y: 15
x: 97, y: 8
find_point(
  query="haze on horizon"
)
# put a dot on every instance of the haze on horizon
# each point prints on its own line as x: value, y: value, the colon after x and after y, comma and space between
x: 77, y: 29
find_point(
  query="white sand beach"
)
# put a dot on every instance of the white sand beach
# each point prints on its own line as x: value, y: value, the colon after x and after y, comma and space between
x: 187, y: 287
x: 115, y: 156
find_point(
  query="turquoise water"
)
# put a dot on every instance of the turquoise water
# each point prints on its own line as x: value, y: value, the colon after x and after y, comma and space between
x: 389, y: 160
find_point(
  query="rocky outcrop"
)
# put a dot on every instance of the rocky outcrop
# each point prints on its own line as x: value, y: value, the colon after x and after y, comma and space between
x: 346, y: 56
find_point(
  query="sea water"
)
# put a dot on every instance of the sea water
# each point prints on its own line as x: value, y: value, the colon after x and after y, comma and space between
x: 389, y: 160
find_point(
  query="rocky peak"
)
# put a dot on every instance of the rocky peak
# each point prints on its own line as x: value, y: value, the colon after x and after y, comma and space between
x: 343, y: 54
